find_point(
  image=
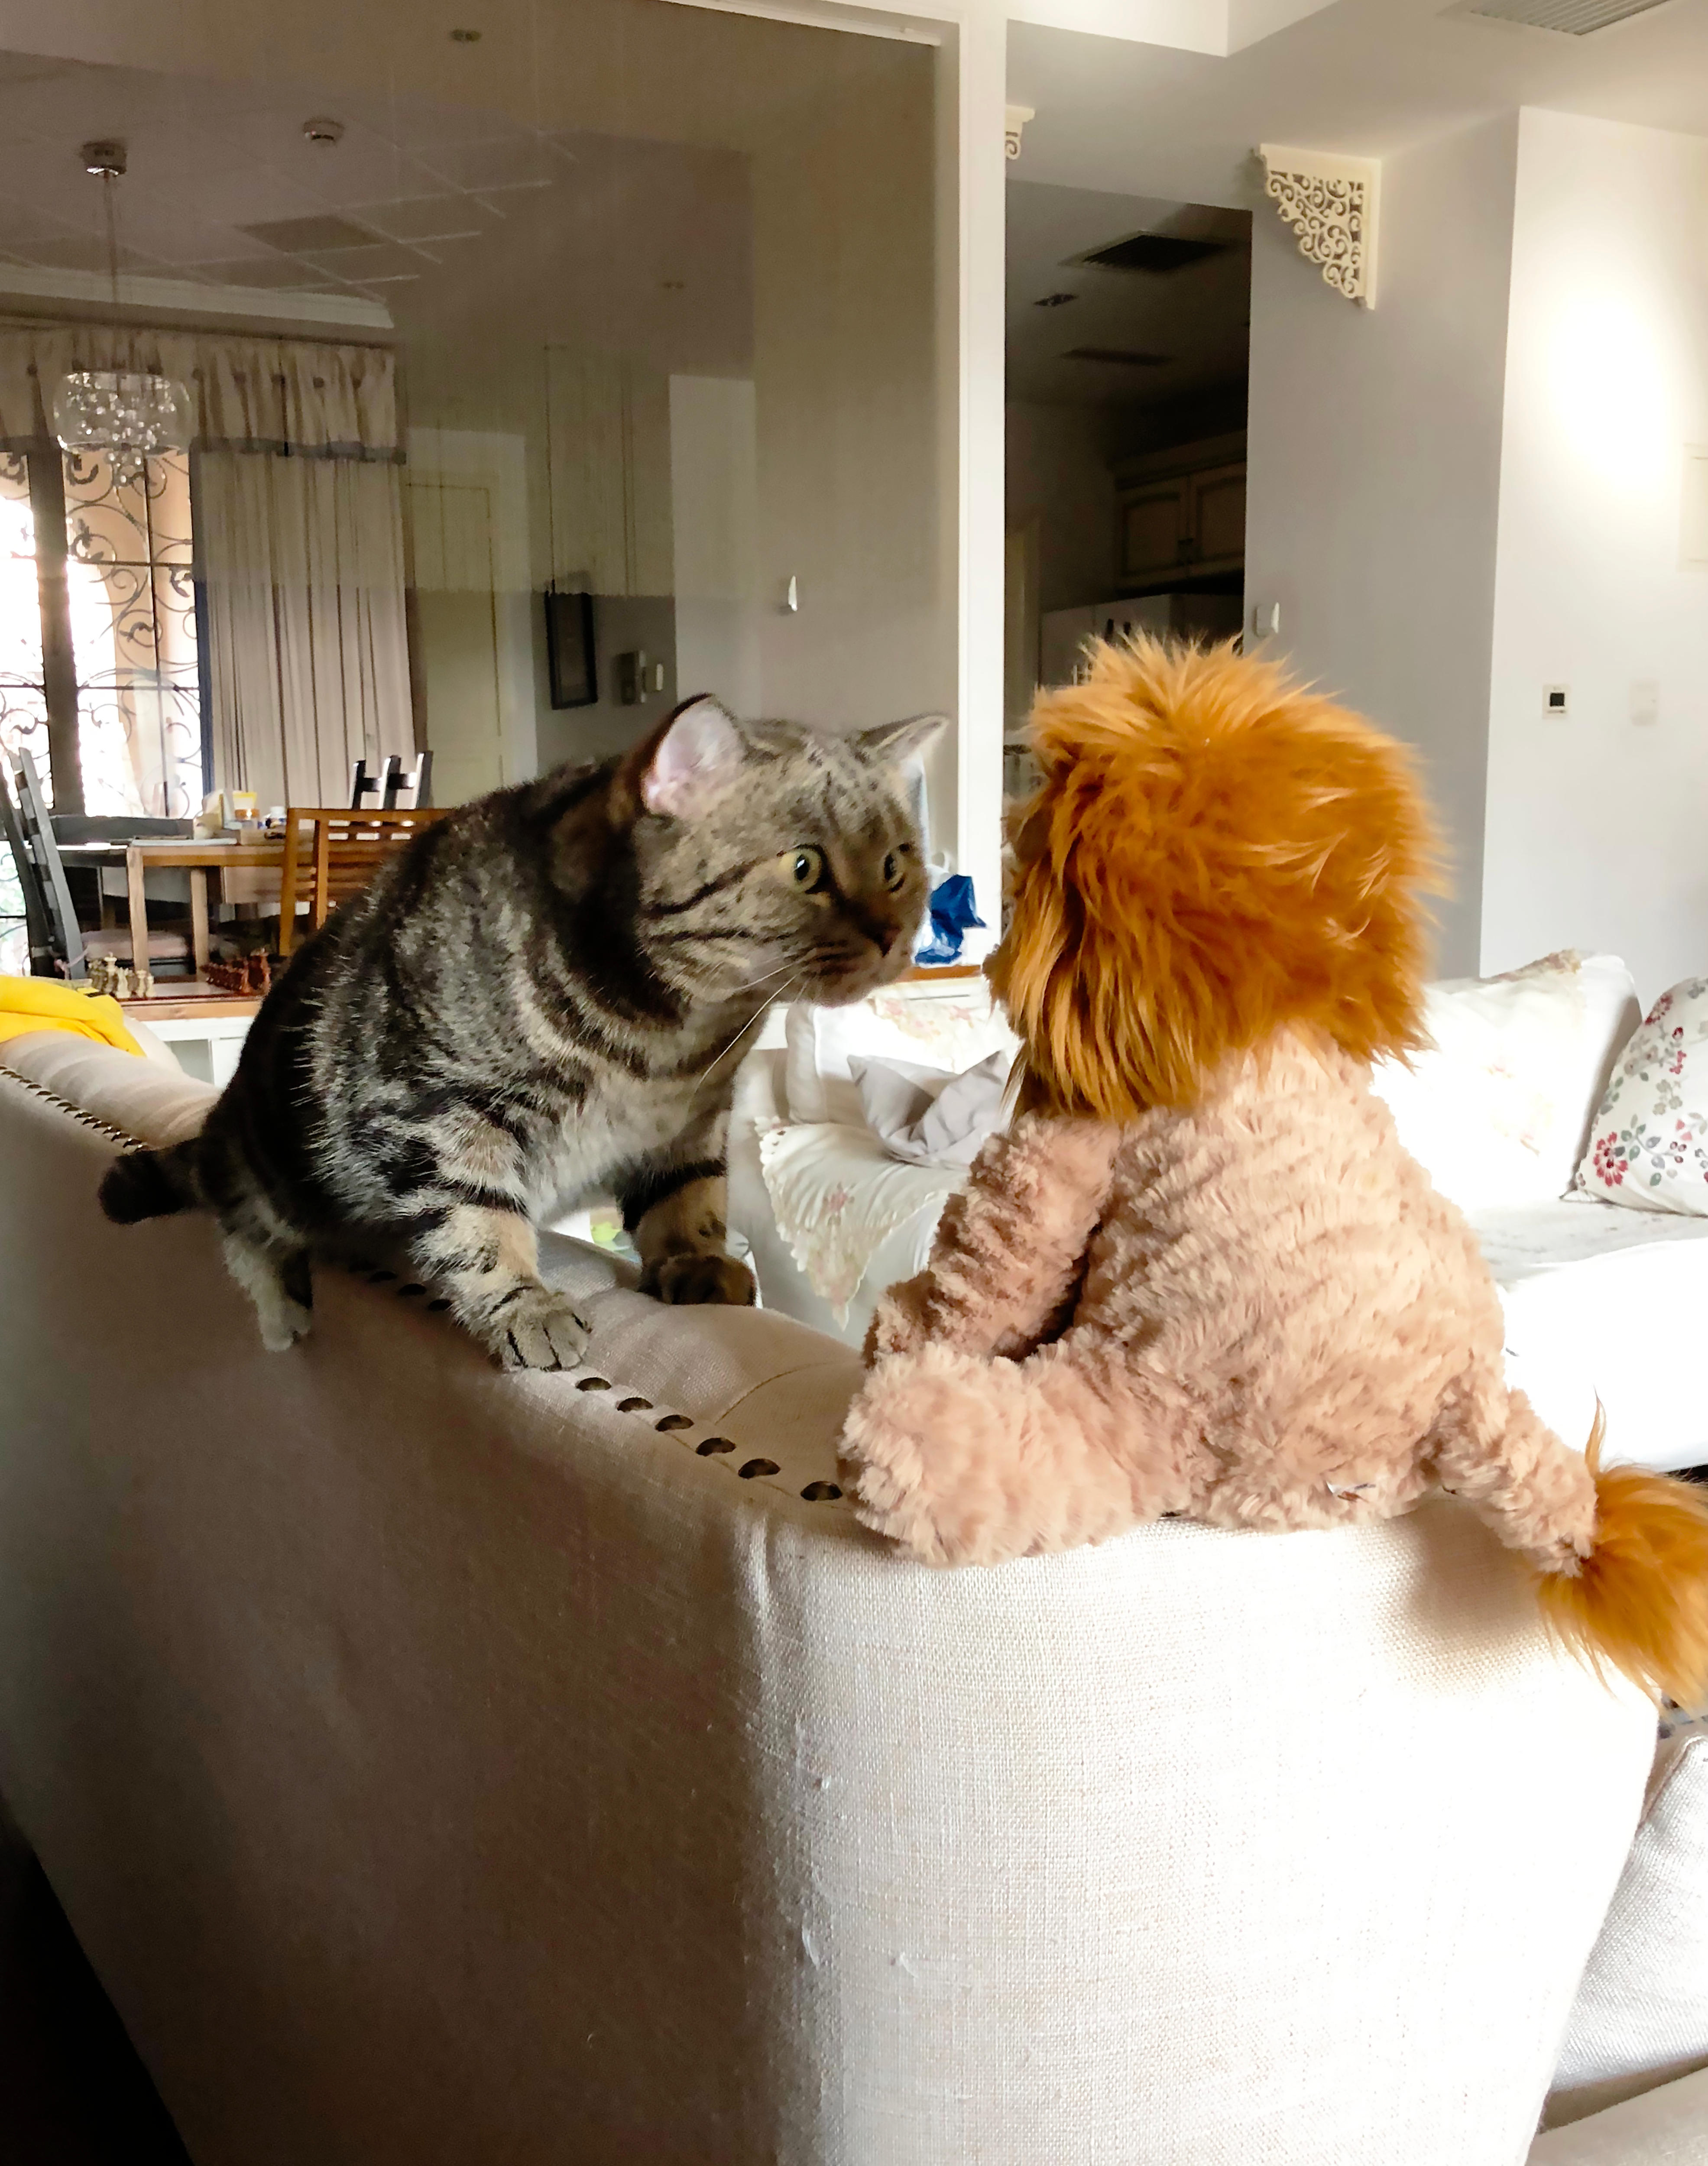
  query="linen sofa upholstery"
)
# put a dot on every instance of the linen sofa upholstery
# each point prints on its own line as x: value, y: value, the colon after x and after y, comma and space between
x: 1668, y: 2126
x: 439, y: 1764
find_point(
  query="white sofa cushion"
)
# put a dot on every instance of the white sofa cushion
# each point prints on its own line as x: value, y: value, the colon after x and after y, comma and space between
x: 1497, y: 1110
x: 1640, y: 2016
x: 838, y: 1198
x: 946, y: 1032
x: 1649, y: 1143
x: 1595, y: 1297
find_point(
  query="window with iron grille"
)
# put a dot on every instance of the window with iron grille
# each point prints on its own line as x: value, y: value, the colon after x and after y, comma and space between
x: 100, y: 675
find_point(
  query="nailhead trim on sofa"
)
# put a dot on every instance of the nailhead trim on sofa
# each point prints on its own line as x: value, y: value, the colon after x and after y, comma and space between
x: 710, y: 1446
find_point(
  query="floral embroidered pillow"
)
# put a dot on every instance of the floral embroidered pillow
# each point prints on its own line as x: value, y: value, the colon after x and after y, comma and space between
x: 1649, y: 1143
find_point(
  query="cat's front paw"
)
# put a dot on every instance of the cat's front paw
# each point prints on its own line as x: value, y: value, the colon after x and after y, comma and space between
x: 702, y: 1277
x: 539, y: 1331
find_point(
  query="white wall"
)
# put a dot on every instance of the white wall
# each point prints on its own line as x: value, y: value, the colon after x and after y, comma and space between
x: 1598, y: 825
x: 848, y: 370
x: 847, y: 315
x: 714, y: 454
x: 1374, y: 457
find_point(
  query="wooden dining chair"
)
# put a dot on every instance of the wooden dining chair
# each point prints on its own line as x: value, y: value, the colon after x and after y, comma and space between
x: 331, y: 853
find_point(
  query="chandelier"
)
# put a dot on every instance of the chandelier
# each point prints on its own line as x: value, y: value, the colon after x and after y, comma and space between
x: 126, y: 413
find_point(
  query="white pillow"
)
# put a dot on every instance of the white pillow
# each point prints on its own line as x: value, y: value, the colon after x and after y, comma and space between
x: 1641, y: 2017
x: 952, y: 1033
x: 1649, y: 1143
x: 1497, y: 1111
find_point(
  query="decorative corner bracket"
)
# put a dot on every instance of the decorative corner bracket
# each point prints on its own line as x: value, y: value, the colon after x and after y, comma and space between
x: 1014, y: 121
x: 1332, y: 205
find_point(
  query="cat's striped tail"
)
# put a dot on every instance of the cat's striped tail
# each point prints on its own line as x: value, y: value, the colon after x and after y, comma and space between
x: 152, y: 1184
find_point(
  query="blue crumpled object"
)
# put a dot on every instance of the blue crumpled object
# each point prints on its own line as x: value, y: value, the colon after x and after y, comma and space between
x: 953, y: 913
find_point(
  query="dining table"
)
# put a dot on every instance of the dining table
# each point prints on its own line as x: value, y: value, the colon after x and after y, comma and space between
x: 198, y: 856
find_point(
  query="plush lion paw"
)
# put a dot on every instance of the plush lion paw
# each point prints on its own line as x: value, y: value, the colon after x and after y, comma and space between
x: 927, y: 1453
x: 963, y: 1459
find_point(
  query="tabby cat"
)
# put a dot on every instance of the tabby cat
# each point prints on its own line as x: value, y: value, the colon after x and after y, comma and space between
x: 545, y: 994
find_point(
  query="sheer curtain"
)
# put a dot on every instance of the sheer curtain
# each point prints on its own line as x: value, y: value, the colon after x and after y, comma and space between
x: 307, y: 658
x: 298, y: 539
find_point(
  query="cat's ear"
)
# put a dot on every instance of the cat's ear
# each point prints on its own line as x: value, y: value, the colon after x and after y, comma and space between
x: 692, y: 758
x: 890, y: 743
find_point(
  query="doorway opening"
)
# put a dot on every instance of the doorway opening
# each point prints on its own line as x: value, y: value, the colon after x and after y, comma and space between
x: 1128, y: 339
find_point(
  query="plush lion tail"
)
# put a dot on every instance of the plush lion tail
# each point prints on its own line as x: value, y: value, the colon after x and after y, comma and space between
x: 1639, y: 1600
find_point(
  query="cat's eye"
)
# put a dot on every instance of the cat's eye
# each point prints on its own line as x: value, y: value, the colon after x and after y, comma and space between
x: 896, y: 868
x: 806, y: 870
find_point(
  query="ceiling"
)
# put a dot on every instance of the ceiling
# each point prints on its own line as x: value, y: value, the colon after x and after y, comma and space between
x: 1192, y: 320
x: 448, y: 214
x: 626, y: 222
x: 1369, y: 77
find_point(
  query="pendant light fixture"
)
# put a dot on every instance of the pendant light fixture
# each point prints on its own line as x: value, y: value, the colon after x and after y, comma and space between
x: 127, y: 415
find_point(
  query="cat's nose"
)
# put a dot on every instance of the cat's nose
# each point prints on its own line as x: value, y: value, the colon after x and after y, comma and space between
x: 882, y: 931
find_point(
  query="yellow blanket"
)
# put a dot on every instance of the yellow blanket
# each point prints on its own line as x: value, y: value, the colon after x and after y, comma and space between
x: 28, y: 1004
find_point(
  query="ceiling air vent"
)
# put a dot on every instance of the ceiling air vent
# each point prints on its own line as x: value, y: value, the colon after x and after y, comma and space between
x: 1121, y: 357
x: 296, y: 233
x: 1152, y: 251
x: 1575, y: 19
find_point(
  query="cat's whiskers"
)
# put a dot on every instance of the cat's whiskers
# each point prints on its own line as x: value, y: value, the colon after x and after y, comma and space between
x: 754, y: 983
x: 793, y: 986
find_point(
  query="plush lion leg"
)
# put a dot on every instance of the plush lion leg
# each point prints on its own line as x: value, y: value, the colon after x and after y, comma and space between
x: 965, y: 1461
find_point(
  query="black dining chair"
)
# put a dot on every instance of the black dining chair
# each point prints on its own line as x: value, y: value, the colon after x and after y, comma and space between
x: 58, y: 945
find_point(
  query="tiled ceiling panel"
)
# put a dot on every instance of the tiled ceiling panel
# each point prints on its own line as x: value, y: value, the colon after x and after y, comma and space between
x: 300, y: 235
x: 427, y: 219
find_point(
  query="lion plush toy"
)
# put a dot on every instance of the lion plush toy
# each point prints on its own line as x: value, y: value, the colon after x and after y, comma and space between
x: 1200, y: 1276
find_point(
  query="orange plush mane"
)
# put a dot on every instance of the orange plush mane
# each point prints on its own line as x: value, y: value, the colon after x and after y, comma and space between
x: 1213, y: 854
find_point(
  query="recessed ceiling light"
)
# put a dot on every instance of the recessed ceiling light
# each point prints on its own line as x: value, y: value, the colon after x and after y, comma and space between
x: 465, y: 37
x: 1055, y: 300
x: 1151, y: 251
x: 1573, y: 19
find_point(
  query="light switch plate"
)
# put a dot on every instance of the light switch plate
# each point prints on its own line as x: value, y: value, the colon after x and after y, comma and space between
x: 1644, y: 701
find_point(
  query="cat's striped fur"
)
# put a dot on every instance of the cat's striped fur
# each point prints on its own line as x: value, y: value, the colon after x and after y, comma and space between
x: 543, y: 995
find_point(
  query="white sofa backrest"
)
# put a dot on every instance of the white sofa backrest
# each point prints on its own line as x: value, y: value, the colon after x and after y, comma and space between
x: 438, y: 1763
